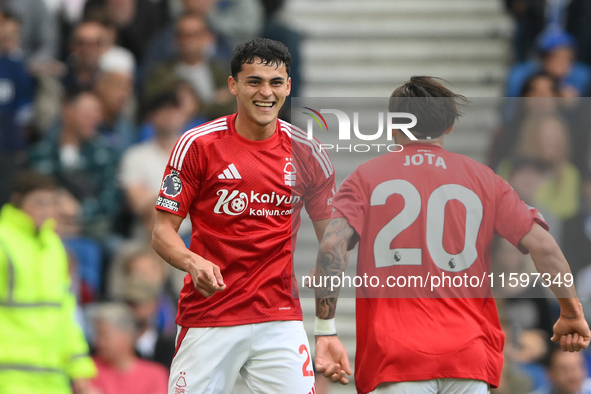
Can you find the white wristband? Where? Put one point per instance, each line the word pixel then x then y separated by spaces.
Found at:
pixel 324 327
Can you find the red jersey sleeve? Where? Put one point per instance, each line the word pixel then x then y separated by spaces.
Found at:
pixel 321 193
pixel 180 182
pixel 514 218
pixel 351 201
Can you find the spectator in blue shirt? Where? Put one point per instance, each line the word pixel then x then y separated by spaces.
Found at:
pixel 567 374
pixel 16 96
pixel 557 58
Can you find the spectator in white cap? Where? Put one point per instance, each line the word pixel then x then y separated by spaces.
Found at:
pixel 114 87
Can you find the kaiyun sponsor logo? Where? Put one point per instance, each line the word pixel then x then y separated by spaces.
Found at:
pixel 236 202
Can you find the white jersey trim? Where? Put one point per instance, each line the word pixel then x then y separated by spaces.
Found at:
pixel 320 154
pixel 327 169
pixel 182 146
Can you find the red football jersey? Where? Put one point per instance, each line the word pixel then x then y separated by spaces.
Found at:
pixel 244 198
pixel 418 210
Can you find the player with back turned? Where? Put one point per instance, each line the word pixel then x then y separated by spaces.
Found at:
pixel 243 179
pixel 436 214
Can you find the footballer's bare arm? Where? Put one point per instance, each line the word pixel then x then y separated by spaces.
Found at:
pixel 320 227
pixel 332 359
pixel 207 276
pixel 571 329
pixel 332 260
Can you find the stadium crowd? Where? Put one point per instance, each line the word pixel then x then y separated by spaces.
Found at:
pixel 95 94
pixel 542 149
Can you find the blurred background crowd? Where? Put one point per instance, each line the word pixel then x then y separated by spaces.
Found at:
pixel 95 93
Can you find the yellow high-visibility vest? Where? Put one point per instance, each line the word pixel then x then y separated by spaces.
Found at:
pixel 41 345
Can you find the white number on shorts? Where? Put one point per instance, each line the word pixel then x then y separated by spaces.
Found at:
pixel 435 218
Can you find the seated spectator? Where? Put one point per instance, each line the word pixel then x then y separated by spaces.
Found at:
pixel 190 104
pixel 514 378
pixel 539 93
pixel 39 33
pixel 234 21
pixel 136 20
pixel 119 369
pixel 140 173
pixel 114 88
pixel 85 254
pixel 16 97
pixel 152 343
pixel 527 177
pixel 557 59
pixel 208 78
pixel 164 45
pixel 87 44
pixel 82 161
pixel 567 373
pixel 138 262
pixel 546 138
pixel 532 16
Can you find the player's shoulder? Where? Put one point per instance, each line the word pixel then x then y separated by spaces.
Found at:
pixel 470 163
pixel 299 138
pixel 197 137
pixel 477 174
pixel 307 149
pixel 206 132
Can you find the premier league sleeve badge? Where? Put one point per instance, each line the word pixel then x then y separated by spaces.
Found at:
pixel 172 185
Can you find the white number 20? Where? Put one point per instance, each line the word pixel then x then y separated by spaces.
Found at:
pixel 435 220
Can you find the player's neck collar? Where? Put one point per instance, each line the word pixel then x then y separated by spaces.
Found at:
pixel 270 142
pixel 422 144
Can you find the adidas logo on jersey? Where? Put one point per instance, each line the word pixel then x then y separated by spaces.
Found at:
pixel 230 173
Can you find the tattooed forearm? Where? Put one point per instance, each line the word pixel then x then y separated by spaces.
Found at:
pixel 332 261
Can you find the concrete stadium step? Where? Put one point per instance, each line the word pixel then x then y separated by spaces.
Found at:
pixel 352 7
pixel 332 50
pixel 388 74
pixel 435 27
pixel 320 89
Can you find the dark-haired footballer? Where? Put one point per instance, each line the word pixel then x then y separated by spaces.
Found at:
pixel 428 211
pixel 243 179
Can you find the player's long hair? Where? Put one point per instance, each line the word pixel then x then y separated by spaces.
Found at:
pixel 435 106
